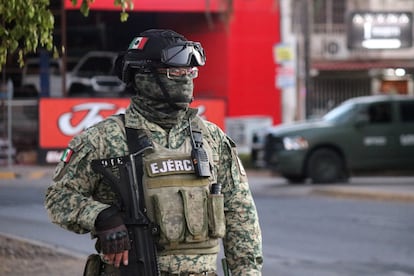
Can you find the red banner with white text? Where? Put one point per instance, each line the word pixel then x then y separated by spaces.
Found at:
pixel 61 119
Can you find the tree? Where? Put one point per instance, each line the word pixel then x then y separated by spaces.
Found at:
pixel 28 25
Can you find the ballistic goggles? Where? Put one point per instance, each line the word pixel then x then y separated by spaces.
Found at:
pixel 181 55
pixel 177 73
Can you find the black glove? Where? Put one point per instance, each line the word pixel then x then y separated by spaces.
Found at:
pixel 111 231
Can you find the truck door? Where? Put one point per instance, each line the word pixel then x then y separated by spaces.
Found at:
pixel 376 139
pixel 405 129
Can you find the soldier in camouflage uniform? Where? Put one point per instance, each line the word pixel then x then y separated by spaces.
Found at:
pixel 161 66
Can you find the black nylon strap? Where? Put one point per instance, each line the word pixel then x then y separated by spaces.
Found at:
pixel 196 135
pixel 137 139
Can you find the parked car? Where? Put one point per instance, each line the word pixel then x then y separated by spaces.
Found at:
pixel 363 134
pixel 94 76
pixel 31 76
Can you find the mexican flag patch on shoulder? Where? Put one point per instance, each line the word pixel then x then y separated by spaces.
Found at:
pixel 67 154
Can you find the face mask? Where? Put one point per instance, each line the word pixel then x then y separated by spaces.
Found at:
pixel 155 106
pixel 180 91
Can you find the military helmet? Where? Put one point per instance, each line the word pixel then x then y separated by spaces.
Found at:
pixel 158 48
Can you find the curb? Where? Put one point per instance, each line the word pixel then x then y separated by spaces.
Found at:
pixel 36 174
pixel 7 175
pixel 49 246
pixel 365 193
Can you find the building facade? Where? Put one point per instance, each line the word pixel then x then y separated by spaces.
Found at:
pixel 349 48
pixel 238 37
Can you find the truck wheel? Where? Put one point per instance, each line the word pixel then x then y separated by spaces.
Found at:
pixel 326 166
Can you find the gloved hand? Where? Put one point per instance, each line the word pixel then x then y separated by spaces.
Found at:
pixel 114 240
pixel 113 236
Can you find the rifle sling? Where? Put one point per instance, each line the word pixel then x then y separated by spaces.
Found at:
pixel 137 139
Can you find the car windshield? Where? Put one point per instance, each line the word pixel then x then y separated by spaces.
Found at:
pixel 96 66
pixel 340 113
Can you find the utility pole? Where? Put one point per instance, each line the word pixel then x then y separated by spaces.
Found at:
pixel 63 47
pixel 306 29
pixel 287 65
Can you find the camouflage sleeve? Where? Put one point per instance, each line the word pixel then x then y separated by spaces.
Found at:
pixel 71 201
pixel 243 240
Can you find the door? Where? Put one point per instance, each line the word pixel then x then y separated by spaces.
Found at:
pixel 375 140
pixel 405 129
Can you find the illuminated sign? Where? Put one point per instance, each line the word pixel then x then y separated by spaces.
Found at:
pixel 379 30
pixel 61 119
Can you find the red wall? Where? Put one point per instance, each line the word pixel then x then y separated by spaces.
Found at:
pixel 213 77
pixel 240 67
pixel 254 30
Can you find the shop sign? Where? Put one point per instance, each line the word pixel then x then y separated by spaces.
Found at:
pixel 61 119
pixel 379 30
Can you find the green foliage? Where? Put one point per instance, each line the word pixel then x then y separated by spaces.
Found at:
pixel 124 4
pixel 27 25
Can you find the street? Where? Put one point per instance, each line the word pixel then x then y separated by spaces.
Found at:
pixel 325 236
pixel 304 233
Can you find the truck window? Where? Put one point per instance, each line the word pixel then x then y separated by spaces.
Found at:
pixel 407 111
pixel 96 66
pixel 379 113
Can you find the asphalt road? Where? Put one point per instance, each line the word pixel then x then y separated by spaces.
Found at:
pixel 22 214
pixel 304 232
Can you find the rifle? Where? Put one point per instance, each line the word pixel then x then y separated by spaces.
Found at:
pixel 143 253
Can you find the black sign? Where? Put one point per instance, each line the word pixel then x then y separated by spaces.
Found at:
pixel 379 30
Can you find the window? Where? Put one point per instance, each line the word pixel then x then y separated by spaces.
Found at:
pixel 407 111
pixel 328 15
pixel 379 113
pixel 96 66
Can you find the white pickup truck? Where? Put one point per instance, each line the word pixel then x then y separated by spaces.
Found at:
pixel 31 77
pixel 91 76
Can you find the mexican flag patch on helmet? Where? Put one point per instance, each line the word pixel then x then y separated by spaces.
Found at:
pixel 138 43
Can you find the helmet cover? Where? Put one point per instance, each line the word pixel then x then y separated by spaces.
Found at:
pixel 148 50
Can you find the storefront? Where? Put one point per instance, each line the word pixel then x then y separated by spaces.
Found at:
pixel 238 37
pixel 239 76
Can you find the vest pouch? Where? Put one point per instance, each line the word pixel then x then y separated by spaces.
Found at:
pixel 169 215
pixel 216 220
pixel 195 211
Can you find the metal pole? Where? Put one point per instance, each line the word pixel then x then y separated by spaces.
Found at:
pixel 9 122
pixel 306 50
pixel 64 54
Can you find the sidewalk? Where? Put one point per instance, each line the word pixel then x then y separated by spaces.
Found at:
pixel 401 190
pixel 26 171
pixel 403 193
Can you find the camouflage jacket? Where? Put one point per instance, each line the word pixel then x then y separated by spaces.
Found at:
pixel 77 194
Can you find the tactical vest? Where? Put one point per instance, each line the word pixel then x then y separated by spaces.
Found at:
pixel 190 218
